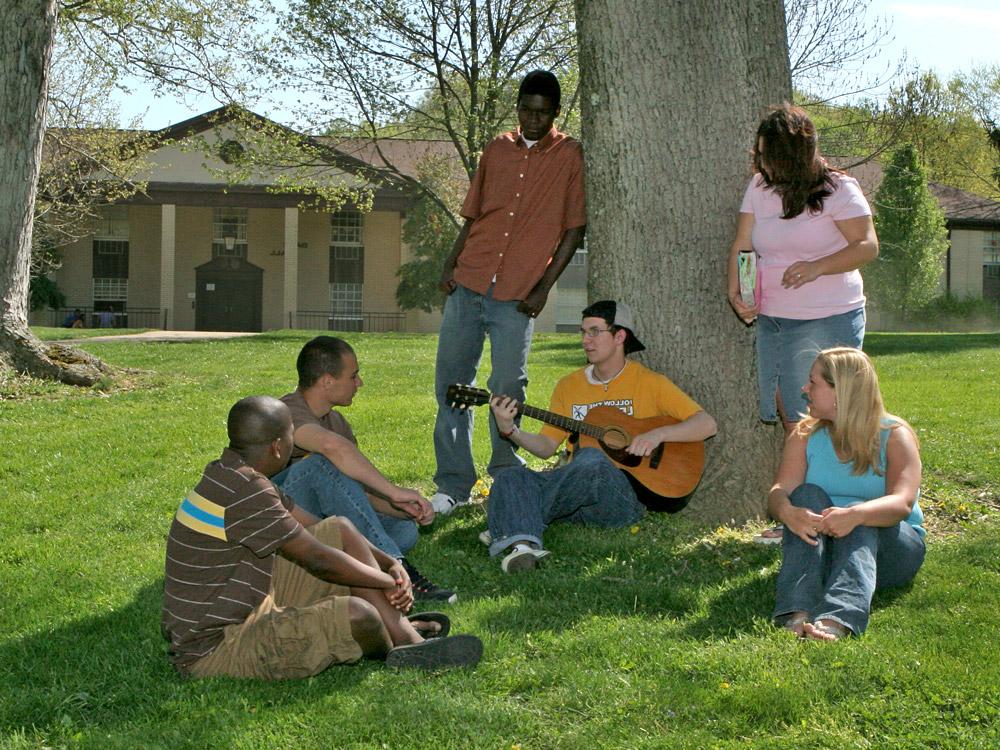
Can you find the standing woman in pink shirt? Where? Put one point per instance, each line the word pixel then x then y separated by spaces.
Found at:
pixel 811 229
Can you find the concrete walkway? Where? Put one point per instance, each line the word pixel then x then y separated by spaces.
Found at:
pixel 162 336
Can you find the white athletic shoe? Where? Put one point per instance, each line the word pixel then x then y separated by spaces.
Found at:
pixel 444 504
pixel 522 558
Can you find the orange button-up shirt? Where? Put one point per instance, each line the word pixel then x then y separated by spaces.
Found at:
pixel 521 201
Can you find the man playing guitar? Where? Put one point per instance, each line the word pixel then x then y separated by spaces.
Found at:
pixel 591 489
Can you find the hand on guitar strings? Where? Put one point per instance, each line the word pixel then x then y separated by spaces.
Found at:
pixel 644 444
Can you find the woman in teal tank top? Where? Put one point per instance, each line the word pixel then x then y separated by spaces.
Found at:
pixel 846 492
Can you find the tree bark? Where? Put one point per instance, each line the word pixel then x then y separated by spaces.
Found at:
pixel 671 95
pixel 27 34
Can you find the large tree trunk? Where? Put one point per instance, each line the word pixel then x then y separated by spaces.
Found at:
pixel 27 33
pixel 671 94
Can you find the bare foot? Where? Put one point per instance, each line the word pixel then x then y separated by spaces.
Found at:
pixel 796 622
pixel 825 630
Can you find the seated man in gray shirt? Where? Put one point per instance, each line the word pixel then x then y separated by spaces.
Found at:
pixel 328 474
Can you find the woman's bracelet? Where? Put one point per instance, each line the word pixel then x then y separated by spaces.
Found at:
pixel 507 435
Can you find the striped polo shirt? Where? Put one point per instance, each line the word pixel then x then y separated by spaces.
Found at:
pixel 220 555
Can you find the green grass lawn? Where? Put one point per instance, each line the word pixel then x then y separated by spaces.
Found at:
pixel 647 638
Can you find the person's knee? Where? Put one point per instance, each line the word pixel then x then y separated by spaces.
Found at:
pixel 810 496
pixel 348 530
pixel 366 624
pixel 594 462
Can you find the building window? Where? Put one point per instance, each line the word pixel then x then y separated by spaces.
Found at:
pixel 112 223
pixel 991 248
pixel 346 228
pixel 229 232
pixel 347 270
pixel 345 300
pixel 110 290
pixel 114 248
pixel 342 253
pixel 110 260
pixel 580 256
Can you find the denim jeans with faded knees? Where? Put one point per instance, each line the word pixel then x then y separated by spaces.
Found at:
pixel 835 580
pixel 319 487
pixel 589 490
pixel 468 318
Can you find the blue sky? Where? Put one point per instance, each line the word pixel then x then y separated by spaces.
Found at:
pixel 947 37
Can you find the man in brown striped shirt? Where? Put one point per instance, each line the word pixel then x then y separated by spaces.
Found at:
pixel 256 587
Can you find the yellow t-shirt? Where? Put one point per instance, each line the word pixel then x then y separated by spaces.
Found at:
pixel 638 391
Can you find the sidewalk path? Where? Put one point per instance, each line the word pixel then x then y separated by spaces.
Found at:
pixel 162 336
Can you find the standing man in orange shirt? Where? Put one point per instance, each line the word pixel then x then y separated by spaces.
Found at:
pixel 525 216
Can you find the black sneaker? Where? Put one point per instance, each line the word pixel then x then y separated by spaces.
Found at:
pixel 426 591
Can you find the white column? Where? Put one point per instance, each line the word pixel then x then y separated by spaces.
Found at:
pixel 291 296
pixel 168 243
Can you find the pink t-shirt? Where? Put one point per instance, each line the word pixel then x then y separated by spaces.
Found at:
pixel 781 242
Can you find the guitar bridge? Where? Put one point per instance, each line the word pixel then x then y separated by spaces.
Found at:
pixel 656 456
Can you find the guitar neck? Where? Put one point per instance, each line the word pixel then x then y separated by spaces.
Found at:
pixel 563 423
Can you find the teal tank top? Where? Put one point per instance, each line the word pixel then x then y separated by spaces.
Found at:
pixel 845 488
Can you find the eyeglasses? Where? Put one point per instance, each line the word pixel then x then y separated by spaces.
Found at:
pixel 593 333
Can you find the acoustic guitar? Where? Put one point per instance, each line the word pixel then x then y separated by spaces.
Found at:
pixel 663 480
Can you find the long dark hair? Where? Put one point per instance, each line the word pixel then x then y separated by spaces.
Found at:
pixel 790 162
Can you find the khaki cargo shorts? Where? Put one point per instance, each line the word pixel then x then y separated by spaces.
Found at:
pixel 301 628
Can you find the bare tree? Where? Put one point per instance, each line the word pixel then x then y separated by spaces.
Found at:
pixel 429 68
pixel 82 138
pixel 671 96
pixel 980 90
pixel 173 43
pixel 834 48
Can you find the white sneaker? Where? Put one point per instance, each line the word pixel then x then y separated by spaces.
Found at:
pixel 486 537
pixel 522 558
pixel 444 504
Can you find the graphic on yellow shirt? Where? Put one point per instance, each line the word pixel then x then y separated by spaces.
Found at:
pixel 622 404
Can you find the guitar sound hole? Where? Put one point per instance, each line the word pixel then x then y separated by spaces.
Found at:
pixel 615 439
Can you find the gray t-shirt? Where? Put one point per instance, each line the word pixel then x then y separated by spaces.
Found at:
pixel 302 415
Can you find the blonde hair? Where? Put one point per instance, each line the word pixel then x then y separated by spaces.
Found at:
pixel 856 430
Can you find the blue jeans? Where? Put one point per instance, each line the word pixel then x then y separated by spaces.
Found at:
pixel 319 487
pixel 786 350
pixel 589 490
pixel 468 318
pixel 835 580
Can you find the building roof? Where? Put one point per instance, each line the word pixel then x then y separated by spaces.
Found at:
pixel 404 154
pixel 961 208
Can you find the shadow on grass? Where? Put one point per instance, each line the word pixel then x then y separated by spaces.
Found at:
pixel 110 675
pixel 881 344
pixel 714 587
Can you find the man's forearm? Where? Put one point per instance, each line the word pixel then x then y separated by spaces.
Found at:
pixel 352 462
pixel 336 566
pixel 571 240
pixel 447 281
pixel 534 442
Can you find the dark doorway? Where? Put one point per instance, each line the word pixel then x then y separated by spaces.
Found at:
pixel 229 295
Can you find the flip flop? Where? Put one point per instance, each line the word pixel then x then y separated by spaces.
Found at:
pixel 439 617
pixel 437 653
pixel 772 535
pixel 796 622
